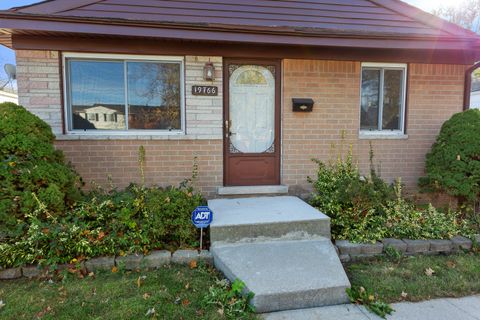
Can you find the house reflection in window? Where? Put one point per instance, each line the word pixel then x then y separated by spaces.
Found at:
pixel 101 117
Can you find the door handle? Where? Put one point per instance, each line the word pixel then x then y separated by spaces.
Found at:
pixel 227 128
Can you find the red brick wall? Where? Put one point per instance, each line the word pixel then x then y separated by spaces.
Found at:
pixel 167 162
pixel 435 93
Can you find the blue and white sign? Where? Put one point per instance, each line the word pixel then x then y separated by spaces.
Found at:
pixel 202 217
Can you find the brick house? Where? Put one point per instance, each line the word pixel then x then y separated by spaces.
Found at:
pixel 232 83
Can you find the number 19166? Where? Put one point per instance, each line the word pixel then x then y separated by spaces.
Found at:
pixel 204 90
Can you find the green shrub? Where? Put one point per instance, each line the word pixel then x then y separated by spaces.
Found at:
pixel 366 209
pixel 140 219
pixel 137 219
pixel 405 220
pixel 453 164
pixel 30 165
pixel 353 202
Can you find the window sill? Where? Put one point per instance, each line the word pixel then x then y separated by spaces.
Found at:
pixel 132 136
pixel 382 136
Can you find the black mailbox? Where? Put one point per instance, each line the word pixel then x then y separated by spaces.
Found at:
pixel 302 104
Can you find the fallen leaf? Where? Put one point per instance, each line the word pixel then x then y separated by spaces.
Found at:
pixel 220 312
pixel 146 296
pixel 44 312
pixel 150 312
pixel 187 286
pixel 193 264
pixel 185 302
pixel 91 274
pixel 140 280
pixel 371 297
pixel 429 272
pixel 62 291
pixel 114 269
pixel 451 264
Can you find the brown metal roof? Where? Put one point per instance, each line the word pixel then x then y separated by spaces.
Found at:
pixel 349 23
pixel 337 16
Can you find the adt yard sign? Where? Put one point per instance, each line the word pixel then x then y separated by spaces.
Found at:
pixel 202 217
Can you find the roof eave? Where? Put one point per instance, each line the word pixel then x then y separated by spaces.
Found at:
pixel 11 22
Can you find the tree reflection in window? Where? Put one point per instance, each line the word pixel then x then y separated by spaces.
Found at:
pixel 392 99
pixel 370 99
pixel 153 95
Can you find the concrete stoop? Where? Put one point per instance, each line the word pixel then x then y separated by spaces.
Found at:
pixel 280 248
pixel 265 217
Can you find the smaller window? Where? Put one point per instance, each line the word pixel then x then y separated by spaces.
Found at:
pixel 383 97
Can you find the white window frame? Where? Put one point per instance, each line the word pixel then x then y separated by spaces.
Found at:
pixel 124 58
pixel 384 132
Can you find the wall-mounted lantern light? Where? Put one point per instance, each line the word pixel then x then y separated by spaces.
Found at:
pixel 209 71
pixel 302 105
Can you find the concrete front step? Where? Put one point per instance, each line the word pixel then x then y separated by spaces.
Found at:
pixel 285 275
pixel 266 217
pixel 252 190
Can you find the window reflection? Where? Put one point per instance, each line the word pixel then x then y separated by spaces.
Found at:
pixel 392 99
pixel 382 98
pixel 370 99
pixel 100 93
pixel 153 95
pixel 97 90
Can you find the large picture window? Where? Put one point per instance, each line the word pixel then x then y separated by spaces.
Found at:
pixel 382 107
pixel 111 93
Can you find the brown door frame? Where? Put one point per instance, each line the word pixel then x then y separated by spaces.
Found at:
pixel 226 104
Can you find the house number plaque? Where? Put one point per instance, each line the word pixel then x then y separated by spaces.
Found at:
pixel 205 90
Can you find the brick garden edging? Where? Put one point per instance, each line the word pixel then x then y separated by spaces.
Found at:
pixel 155 260
pixel 348 251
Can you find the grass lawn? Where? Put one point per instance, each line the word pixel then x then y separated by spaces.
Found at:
pixel 453 276
pixel 174 292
